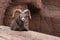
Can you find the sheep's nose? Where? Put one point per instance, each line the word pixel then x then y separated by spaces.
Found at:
pixel 23 19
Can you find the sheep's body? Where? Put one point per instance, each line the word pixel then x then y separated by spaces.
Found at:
pixel 18 25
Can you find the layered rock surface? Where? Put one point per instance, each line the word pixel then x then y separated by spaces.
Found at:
pixel 7 34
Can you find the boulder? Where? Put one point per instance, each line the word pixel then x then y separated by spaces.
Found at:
pixel 7 34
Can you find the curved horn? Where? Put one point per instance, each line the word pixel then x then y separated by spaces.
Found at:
pixel 15 11
pixel 29 14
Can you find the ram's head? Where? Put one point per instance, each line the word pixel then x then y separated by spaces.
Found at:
pixel 22 14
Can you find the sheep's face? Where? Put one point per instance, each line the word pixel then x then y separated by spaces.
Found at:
pixel 22 14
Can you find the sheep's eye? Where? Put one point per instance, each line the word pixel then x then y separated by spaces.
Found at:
pixel 26 12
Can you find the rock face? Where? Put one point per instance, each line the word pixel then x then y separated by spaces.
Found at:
pixel 34 2
pixel 52 2
pixel 3 5
pixel 50 17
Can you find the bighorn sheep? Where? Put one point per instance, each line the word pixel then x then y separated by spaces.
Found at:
pixel 19 22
